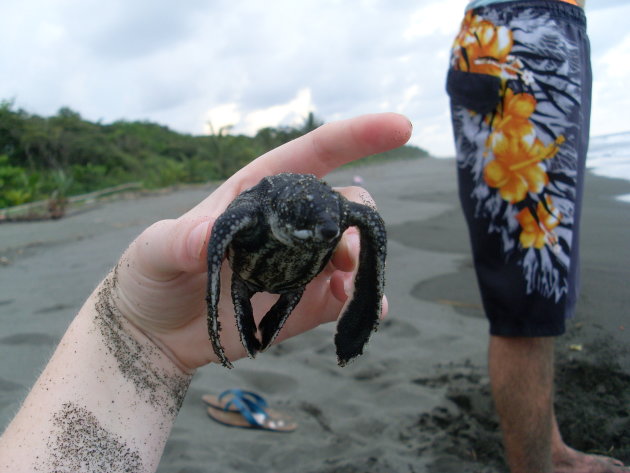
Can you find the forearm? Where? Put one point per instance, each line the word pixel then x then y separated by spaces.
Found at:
pixel 105 402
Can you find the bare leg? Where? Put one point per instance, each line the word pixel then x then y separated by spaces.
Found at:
pixel 521 376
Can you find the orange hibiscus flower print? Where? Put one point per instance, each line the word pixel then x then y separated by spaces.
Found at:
pixel 516 168
pixel 484 48
pixel 516 96
pixel 537 231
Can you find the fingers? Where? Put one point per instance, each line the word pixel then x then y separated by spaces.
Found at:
pixel 178 248
pixel 346 255
pixel 173 246
pixel 322 303
pixel 318 306
pixel 342 288
pixel 334 144
pixel 357 194
pixel 318 152
pixel 170 247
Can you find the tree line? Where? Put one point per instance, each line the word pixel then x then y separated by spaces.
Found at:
pixel 64 154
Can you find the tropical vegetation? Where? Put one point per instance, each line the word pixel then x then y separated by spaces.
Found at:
pixel 63 155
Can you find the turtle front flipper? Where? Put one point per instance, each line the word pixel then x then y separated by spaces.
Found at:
pixel 241 297
pixel 362 314
pixel 225 228
pixel 274 320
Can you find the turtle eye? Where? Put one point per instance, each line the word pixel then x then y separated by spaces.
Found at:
pixel 302 234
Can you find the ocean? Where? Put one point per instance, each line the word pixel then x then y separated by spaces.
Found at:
pixel 609 156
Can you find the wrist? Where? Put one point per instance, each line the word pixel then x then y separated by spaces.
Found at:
pixel 156 374
pixel 107 396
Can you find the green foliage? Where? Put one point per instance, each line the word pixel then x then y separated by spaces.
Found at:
pixel 63 155
pixel 89 177
pixel 404 152
pixel 162 172
pixel 16 185
pixel 61 183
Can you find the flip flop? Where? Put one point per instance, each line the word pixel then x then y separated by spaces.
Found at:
pixel 247 410
pixel 224 400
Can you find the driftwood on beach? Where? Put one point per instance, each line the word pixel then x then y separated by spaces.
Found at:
pixel 57 207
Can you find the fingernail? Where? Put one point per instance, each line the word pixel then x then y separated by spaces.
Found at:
pixel 197 239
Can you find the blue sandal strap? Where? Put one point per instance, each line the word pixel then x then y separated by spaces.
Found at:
pixel 241 394
pixel 250 405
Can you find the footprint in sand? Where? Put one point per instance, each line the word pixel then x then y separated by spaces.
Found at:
pixel 268 382
pixel 305 342
pixel 398 328
pixel 53 308
pixel 6 386
pixel 35 339
pixel 376 370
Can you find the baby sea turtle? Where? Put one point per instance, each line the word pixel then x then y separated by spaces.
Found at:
pixel 278 235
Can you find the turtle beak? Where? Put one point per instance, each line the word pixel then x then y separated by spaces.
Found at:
pixel 327 230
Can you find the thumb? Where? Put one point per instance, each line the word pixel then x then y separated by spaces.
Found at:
pixel 170 247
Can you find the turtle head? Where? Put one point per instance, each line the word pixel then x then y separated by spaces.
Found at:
pixel 304 210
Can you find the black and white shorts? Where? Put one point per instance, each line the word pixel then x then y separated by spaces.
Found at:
pixel 520 89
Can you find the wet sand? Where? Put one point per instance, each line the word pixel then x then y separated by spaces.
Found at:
pixel 417 401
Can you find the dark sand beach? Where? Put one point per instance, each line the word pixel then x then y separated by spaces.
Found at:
pixel 417 401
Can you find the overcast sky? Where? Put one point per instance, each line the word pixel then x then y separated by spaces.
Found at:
pixel 254 63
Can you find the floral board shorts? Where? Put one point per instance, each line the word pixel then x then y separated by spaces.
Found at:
pixel 520 89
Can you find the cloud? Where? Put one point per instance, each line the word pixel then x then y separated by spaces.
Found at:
pixel 434 18
pixel 592 5
pixel 291 113
pixel 249 122
pixel 152 60
pixel 222 117
pixel 248 62
pixel 123 30
pixel 610 99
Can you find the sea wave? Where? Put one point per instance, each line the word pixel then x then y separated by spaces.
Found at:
pixel 609 156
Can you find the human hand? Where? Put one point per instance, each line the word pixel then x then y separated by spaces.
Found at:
pixel 161 278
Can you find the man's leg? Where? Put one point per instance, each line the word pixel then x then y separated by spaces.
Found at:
pixel 521 376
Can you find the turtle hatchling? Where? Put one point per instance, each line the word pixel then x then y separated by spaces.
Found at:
pixel 277 236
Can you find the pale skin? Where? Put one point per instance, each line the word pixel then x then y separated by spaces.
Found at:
pixel 109 395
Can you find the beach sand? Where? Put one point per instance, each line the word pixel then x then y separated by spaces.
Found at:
pixel 417 401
